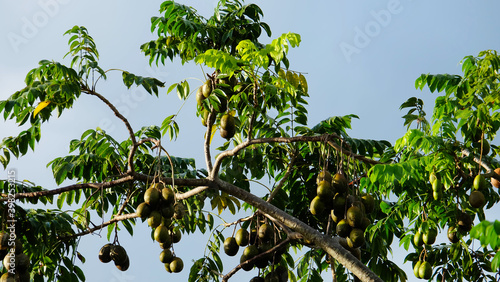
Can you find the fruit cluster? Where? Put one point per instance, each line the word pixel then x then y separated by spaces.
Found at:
pixel 347 211
pixel 226 85
pixel 159 208
pixel 256 242
pixel 115 253
pixel 15 262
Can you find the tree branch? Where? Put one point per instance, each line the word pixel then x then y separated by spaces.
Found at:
pixel 317 138
pixel 99 227
pixel 283 180
pixel 68 188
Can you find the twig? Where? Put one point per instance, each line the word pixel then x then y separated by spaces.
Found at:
pixel 283 180
pixel 90 230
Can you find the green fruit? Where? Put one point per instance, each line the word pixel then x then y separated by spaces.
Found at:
pixel 365 223
pixel 168 196
pixel 369 202
pixel 324 175
pixel 317 206
pixel 324 190
pixel 242 237
pixel 437 185
pixel 206 88
pixel 432 177
pixel 246 266
pixel 477 199
pixel 416 269
pixel 343 228
pixel 479 182
pixel 425 270
pixel 176 265
pixel 167 211
pixel 418 239
pixel 357 238
pixel 167 267
pixel 339 183
pixel 429 237
pixel 253 236
pixel 143 210
pixel 154 219
pixel 176 235
pixel 161 234
pixel 453 235
pixel 227 121
pixel 166 256
pixel 118 254
pixel 251 251
pixel 257 279
pixel 104 253
pixel 354 216
pixel 230 246
pixel 179 210
pixel 265 232
pixel 152 197
pixel 199 96
pixel 437 195
pixel 124 265
pixel 339 203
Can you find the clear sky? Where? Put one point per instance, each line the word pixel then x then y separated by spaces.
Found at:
pixel 360 57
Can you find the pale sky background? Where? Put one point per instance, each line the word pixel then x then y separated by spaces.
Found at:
pixel 391 43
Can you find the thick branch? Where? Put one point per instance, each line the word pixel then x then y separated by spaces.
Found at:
pixel 327 243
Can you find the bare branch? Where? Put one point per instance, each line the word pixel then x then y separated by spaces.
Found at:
pixel 99 227
pixel 68 188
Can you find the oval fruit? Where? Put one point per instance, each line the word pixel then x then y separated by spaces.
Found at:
pixel 429 237
pixel 354 216
pixel 369 202
pixel 176 265
pixel 118 254
pixel 453 234
pixel 161 234
pixel 143 210
pixel 477 199
pixel 230 246
pixel 104 253
pixel 479 182
pixel 124 265
pixel 166 256
pixel 154 219
pixel 176 235
pixel 206 88
pixel 425 270
pixel 464 222
pixel 357 237
pixel 416 269
pixel 325 190
pixel 265 232
pixel 343 228
pixel 418 239
pixel 152 197
pixel 324 175
pixel 339 183
pixel 437 185
pixel 317 206
pixel 168 195
pixel 179 210
pixel 242 237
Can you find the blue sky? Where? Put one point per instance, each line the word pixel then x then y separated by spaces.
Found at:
pixel 359 57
